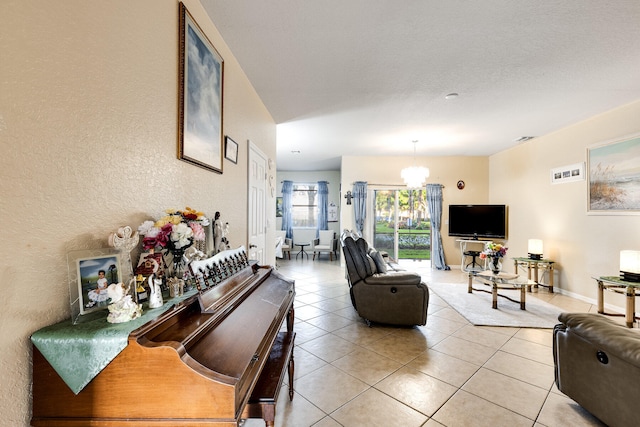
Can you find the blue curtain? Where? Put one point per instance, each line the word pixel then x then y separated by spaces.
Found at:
pixel 434 201
pixel 287 218
pixel 323 207
pixel 360 204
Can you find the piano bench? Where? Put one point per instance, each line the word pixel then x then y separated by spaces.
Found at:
pixel 262 403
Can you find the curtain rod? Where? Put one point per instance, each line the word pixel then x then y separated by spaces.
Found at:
pixel 306 182
pixel 397 185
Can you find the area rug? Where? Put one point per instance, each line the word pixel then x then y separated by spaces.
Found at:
pixel 476 307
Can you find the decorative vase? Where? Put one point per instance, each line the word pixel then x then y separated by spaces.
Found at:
pixel 496 266
pixel 177 266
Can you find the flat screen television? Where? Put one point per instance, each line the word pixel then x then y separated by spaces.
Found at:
pixel 478 221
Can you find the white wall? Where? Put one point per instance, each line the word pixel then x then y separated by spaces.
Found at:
pixel 583 245
pixel 88 130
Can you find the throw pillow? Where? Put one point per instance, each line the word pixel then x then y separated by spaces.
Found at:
pixel 381 266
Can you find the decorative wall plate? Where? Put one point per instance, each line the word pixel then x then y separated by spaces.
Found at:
pixel 460 185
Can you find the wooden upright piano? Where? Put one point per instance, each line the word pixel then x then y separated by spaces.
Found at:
pixel 210 360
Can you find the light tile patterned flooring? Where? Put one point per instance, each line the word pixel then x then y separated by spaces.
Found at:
pixel 447 373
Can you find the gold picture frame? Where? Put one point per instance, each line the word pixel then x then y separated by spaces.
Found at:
pixel 201 72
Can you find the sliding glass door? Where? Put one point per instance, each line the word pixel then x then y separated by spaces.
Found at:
pixel 402 224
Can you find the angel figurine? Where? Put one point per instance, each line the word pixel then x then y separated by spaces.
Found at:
pixel 122 308
pixel 220 231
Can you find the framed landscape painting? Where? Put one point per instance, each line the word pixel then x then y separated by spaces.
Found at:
pixel 614 177
pixel 200 98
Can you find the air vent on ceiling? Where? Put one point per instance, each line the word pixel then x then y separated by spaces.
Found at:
pixel 524 138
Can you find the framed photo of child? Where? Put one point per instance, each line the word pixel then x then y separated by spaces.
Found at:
pixel 90 274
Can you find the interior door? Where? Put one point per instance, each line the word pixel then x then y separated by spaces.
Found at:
pixel 257 215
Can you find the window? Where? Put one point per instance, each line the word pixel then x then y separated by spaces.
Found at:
pixel 304 205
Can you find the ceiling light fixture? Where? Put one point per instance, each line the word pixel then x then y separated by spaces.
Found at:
pixel 415 176
pixel 452 95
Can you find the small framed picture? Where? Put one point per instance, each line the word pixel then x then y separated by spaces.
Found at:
pixel 568 173
pixel 90 274
pixel 231 150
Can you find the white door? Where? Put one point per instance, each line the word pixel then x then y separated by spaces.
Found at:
pixel 257 204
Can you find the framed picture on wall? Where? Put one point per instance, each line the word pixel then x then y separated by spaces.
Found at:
pixel 332 212
pixel 231 149
pixel 614 177
pixel 200 97
pixel 568 173
pixel 278 207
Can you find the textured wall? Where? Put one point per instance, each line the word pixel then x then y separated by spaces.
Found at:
pixel 584 245
pixel 88 129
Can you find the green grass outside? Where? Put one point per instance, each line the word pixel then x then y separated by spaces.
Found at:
pixel 382 228
pixel 409 253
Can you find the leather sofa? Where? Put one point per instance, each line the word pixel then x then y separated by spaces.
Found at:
pixel 381 291
pixel 597 364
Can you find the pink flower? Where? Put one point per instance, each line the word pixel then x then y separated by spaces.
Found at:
pixel 198 231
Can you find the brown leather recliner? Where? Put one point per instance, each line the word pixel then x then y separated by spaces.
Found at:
pixel 597 364
pixel 381 291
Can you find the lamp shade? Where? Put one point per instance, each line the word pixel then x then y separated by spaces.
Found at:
pixel 535 248
pixel 415 176
pixel 630 265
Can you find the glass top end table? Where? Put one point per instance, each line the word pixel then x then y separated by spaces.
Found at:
pixel 501 281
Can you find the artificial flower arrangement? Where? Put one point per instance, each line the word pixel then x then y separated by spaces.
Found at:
pixel 493 250
pixel 175 231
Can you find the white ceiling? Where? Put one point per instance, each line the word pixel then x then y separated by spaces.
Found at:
pixel 364 77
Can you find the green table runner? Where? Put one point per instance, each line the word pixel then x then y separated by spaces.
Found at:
pixel 79 352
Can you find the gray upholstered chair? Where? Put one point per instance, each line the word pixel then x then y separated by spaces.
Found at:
pixel 597 364
pixel 326 242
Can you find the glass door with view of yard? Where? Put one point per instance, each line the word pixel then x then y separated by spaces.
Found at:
pixel 402 225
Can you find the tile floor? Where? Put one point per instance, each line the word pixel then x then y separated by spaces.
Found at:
pixel 447 373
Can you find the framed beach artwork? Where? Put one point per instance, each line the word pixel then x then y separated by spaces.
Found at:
pixel 200 97
pixel 614 177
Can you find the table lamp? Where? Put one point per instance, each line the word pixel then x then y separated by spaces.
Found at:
pixel 535 249
pixel 630 265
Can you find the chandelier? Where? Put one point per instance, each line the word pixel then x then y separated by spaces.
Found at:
pixel 415 176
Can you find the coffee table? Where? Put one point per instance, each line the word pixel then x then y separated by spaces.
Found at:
pixel 501 281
